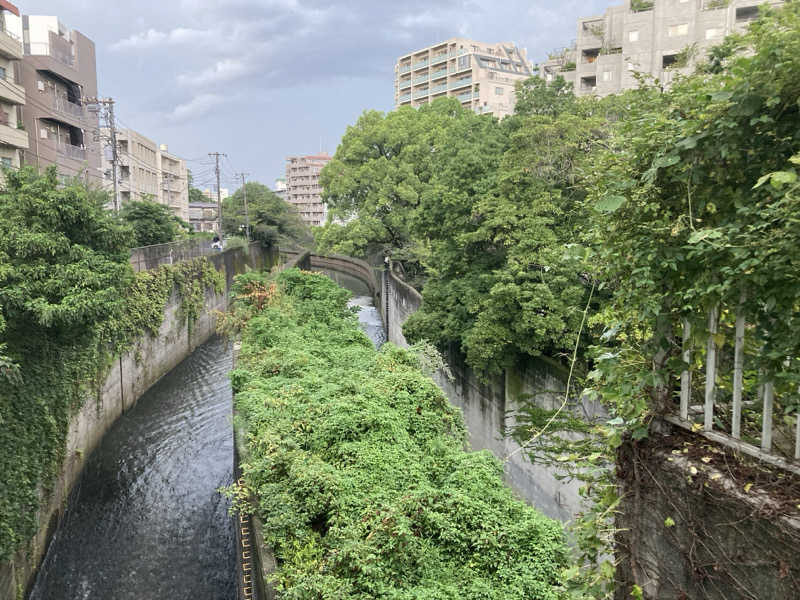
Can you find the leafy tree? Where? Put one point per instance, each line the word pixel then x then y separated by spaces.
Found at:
pixel 152 223
pixel 64 272
pixel 379 174
pixel 272 219
pixel 195 195
pixel 535 96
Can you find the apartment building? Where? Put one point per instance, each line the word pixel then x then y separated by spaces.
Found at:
pixel 203 216
pixel 280 188
pixel 482 76
pixel 303 190
pixel 137 169
pixel 655 37
pixel 13 137
pixel 212 194
pixel 174 189
pixel 59 72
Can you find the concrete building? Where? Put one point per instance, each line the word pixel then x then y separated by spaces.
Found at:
pixel 203 216
pixel 303 190
pixel 174 189
pixel 212 194
pixel 13 137
pixel 280 188
pixel 482 76
pixel 655 37
pixel 58 73
pixel 146 171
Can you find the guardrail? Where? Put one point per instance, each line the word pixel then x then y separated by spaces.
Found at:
pixel 720 407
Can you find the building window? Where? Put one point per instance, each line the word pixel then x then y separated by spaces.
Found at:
pixel 463 62
pixel 608 75
pixel 678 30
pixel 633 36
pixel 498 91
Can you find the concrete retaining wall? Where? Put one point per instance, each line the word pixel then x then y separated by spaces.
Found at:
pixel 128 378
pixel 489 407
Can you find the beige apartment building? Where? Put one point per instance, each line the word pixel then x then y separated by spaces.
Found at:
pixel 655 37
pixel 174 189
pixel 58 73
pixel 147 171
pixel 482 76
pixel 13 137
pixel 303 190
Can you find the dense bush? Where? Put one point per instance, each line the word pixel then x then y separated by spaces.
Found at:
pixel 356 461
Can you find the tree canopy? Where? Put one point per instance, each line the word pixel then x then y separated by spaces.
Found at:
pixel 152 223
pixel 272 219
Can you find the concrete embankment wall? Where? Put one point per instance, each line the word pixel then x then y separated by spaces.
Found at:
pixel 128 378
pixel 490 407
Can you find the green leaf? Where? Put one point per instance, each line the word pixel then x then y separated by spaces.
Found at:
pixel 666 161
pixel 610 203
pixel 704 234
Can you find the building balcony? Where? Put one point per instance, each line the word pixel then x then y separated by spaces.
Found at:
pixel 460 82
pixel 404 69
pixel 438 74
pixel 420 94
pixel 404 98
pixel 11 92
pixel 70 151
pixel 456 69
pixel 405 84
pixel 421 64
pixel 437 89
pixel 10 135
pixel 439 58
pixel 421 79
pixel 10 46
pixel 466 97
pixel 64 106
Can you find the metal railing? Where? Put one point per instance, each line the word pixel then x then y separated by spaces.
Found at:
pixel 460 82
pixel 71 151
pixel 65 106
pixel 439 73
pixel 719 416
pixel 404 98
pixel 421 79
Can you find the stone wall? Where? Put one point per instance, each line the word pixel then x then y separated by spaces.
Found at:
pixel 129 377
pixel 696 522
pixel 490 407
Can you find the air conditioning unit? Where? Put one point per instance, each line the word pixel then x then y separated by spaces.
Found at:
pixel 43 133
pixel 40 85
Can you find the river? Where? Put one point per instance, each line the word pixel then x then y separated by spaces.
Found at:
pixel 146 519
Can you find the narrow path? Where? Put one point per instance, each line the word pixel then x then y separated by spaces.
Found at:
pixel 145 521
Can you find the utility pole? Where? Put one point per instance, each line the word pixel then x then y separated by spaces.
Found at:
pixel 246 215
pixel 108 103
pixel 219 193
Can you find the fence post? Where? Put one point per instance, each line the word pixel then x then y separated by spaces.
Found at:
pixel 766 417
pixel 686 374
pixel 711 369
pixel 738 369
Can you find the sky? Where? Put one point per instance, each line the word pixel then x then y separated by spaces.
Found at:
pixel 260 80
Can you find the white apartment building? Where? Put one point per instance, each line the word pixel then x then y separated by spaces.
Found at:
pixel 174 191
pixel 147 171
pixel 212 194
pixel 303 189
pixel 13 138
pixel 482 76
pixel 654 37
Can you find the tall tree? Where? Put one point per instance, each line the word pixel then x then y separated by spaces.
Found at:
pixel 152 223
pixel 272 219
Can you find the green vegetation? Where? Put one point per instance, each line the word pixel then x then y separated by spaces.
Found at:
pixel 666 202
pixel 641 5
pixel 69 302
pixel 153 223
pixel 272 219
pixel 356 460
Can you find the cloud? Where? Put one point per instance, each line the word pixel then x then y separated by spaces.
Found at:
pixel 153 38
pixel 222 71
pixel 197 107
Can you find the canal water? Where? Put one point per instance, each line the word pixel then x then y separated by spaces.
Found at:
pixel 146 519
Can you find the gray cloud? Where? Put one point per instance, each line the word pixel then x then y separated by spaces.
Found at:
pixel 262 79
